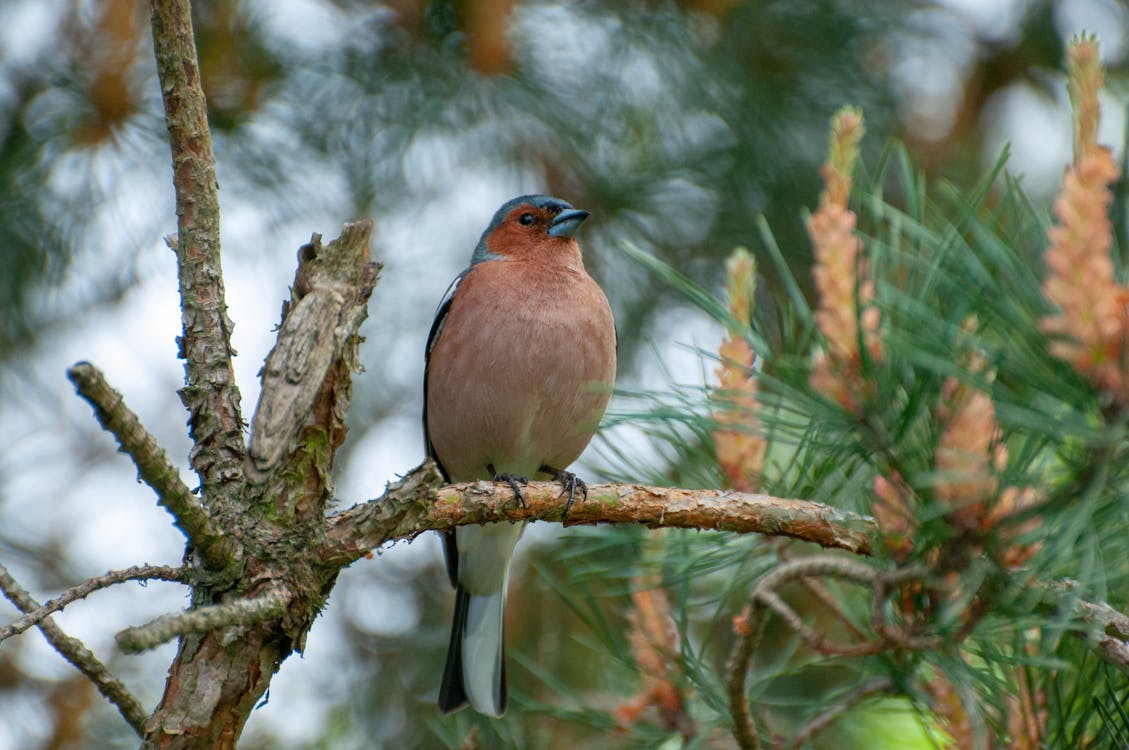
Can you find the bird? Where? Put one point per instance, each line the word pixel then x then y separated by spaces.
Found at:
pixel 519 367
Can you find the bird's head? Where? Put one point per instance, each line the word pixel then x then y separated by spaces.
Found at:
pixel 531 227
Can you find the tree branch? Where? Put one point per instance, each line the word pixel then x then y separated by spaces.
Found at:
pixel 764 598
pixel 1110 638
pixel 420 503
pixel 153 467
pixel 826 718
pixel 210 394
pixel 276 510
pixel 79 655
pixel 242 612
pixel 328 303
pixel 750 625
pixel 89 586
pixel 1107 634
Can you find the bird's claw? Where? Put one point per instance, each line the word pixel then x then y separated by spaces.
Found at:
pixel 570 484
pixel 515 482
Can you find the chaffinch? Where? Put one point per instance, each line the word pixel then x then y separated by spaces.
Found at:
pixel 520 363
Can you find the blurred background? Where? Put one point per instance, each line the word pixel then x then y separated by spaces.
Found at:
pixel 677 124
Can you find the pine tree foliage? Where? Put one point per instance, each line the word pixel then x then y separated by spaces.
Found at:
pixel 977 434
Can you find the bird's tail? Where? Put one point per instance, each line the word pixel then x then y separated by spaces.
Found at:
pixel 475 672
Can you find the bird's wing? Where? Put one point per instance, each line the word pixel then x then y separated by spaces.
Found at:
pixel 432 337
pixel 449 548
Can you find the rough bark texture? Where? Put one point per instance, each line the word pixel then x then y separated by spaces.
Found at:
pixel 215 682
pixel 215 420
pixel 408 509
pixel 214 547
pixel 276 518
pixel 271 509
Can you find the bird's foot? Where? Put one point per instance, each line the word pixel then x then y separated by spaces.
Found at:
pixel 515 482
pixel 570 484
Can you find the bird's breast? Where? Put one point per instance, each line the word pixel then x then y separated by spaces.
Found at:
pixel 521 372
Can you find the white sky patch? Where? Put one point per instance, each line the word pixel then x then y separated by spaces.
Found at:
pixel 929 70
pixel 301 697
pixel 575 42
pixel 997 20
pixel 1107 20
pixel 932 86
pixel 304 23
pixel 23 27
pixel 680 336
pixel 1038 130
pixel 380 607
pixel 381 455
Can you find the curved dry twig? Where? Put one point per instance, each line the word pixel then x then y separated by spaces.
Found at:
pixel 824 596
pixel 858 695
pixel 750 627
pixel 895 636
pixel 88 587
pixel 812 639
pixel 764 599
pixel 83 659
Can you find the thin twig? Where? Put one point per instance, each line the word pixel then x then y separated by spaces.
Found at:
pixel 898 637
pixel 73 650
pixel 812 639
pixel 764 597
pixel 153 466
pixel 825 719
pixel 89 586
pixel 825 597
pixel 838 567
pixel 817 565
pixel 749 634
pixel 243 611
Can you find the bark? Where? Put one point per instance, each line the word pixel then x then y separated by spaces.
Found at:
pixel 74 651
pixel 239 631
pixel 209 393
pixel 268 512
pixel 408 509
pixel 216 680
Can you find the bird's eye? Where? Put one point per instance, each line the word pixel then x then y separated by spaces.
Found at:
pixel 526 219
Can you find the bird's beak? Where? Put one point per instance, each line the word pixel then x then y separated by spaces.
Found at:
pixel 567 222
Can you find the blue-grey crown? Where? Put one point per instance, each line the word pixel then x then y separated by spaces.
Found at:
pixel 537 201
